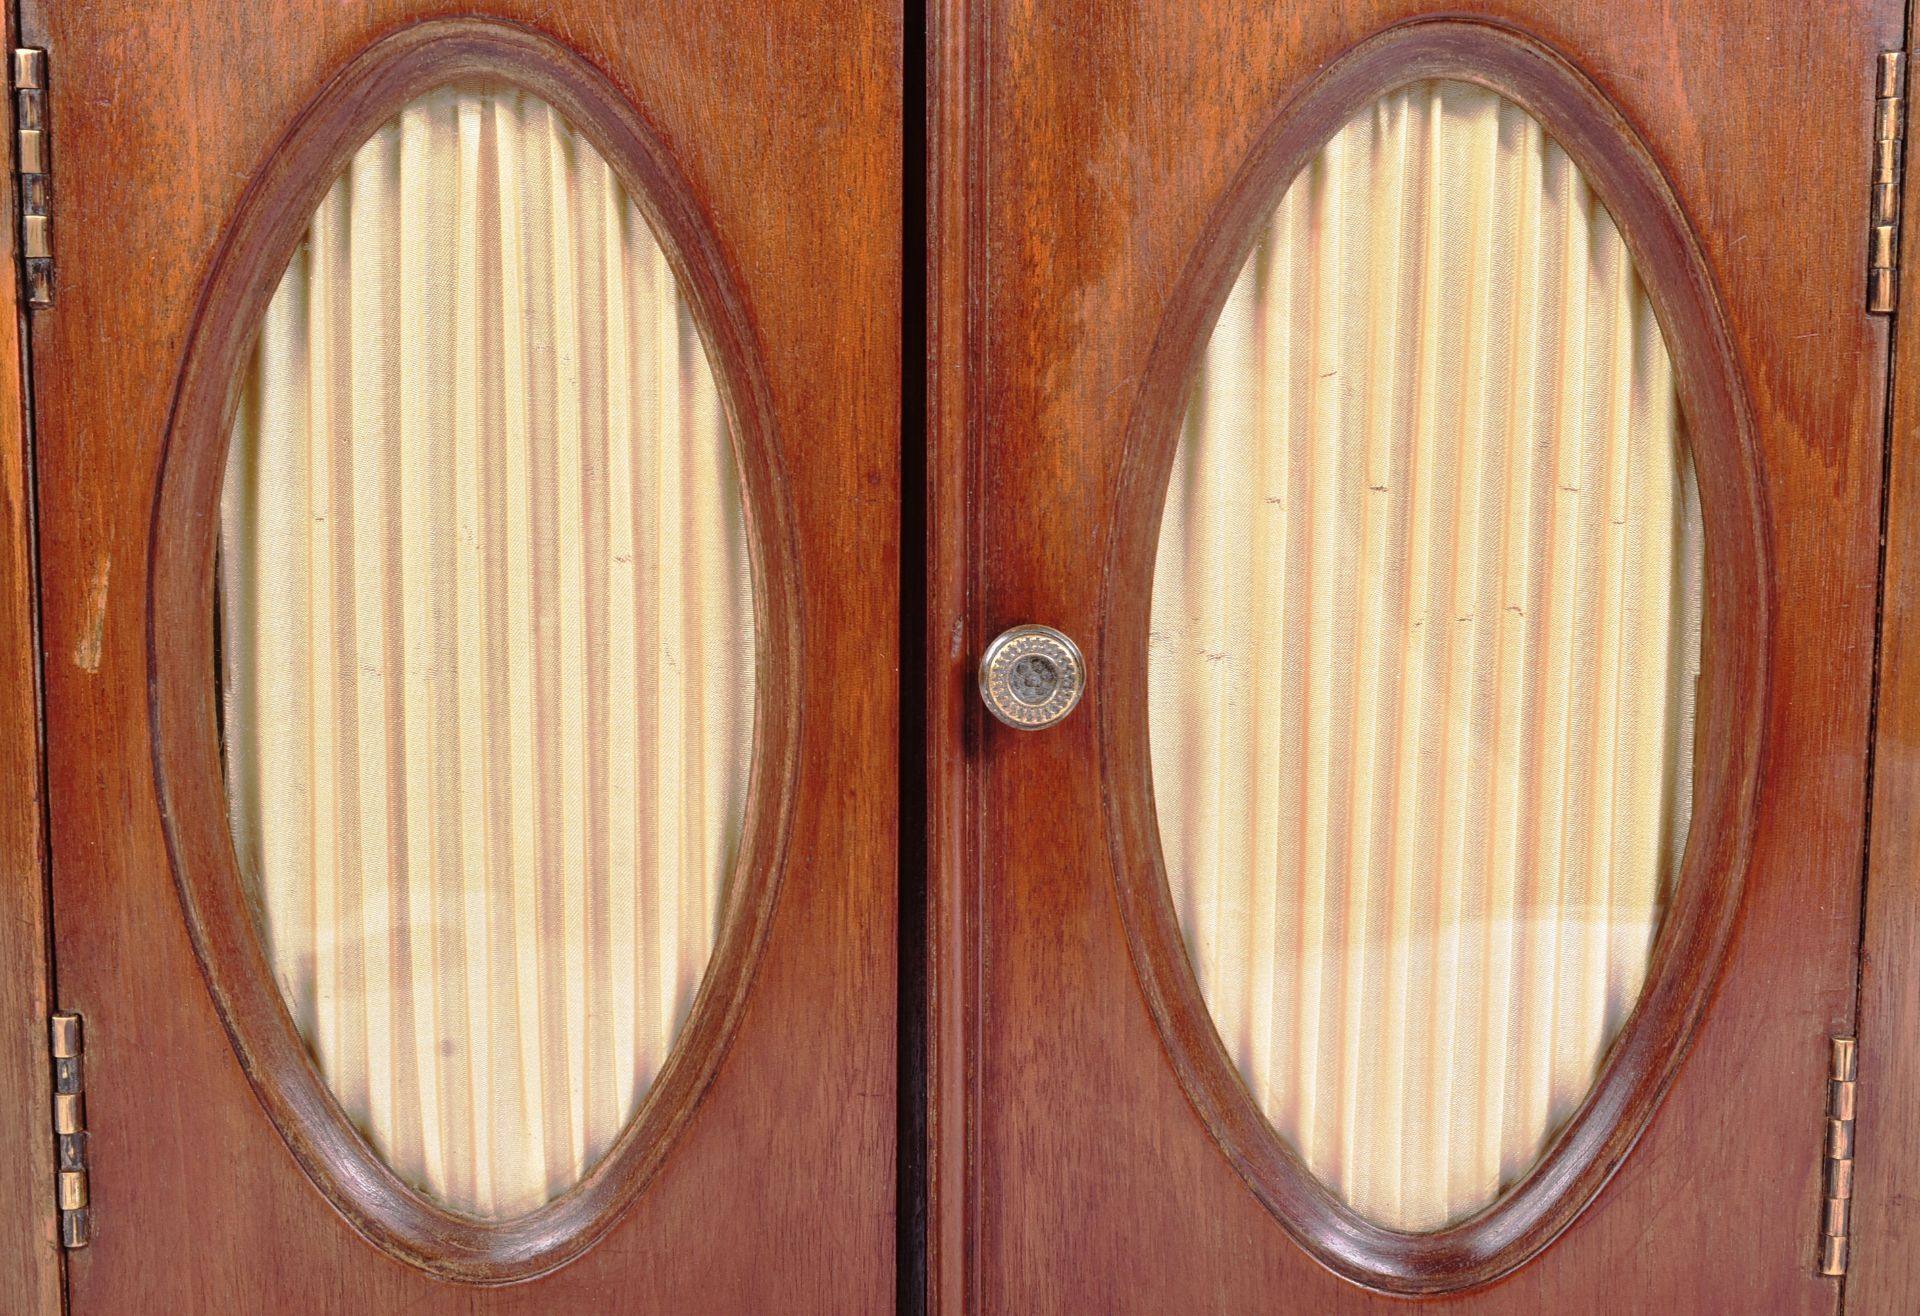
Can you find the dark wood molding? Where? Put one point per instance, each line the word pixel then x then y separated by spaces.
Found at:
pixel 1729 735
pixel 257 244
pixel 956 269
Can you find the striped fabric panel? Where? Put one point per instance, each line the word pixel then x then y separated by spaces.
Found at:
pixel 1426 634
pixel 487 648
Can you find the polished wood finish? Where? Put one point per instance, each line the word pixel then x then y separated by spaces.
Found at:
pixel 193 803
pixel 1883 1270
pixel 767 138
pixel 1089 154
pixel 1693 937
pixel 30 1258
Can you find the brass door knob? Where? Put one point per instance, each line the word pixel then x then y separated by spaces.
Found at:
pixel 1032 676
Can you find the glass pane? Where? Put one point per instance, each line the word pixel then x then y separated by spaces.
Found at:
pixel 487 648
pixel 1426 633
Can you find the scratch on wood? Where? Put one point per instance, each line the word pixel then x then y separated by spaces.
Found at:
pixel 86 654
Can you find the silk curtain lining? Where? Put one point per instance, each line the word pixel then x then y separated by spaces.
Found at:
pixel 487 645
pixel 1425 639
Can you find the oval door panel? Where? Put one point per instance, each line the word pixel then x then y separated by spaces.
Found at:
pixel 487 589
pixel 1423 667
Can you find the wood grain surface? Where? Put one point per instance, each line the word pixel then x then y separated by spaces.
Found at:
pixel 784 122
pixel 1084 150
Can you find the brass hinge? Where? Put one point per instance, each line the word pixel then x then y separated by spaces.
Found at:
pixel 1843 1063
pixel 70 1132
pixel 1889 128
pixel 30 128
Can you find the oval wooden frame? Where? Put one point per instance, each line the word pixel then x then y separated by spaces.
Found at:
pixel 255 248
pixel 1729 729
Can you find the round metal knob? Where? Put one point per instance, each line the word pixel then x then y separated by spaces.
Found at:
pixel 1032 676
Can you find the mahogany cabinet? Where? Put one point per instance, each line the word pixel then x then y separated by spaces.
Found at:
pixel 974 657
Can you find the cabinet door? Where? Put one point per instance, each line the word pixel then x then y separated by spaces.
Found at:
pixel 465 449
pixel 1454 447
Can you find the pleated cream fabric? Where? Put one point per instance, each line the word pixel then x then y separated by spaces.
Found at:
pixel 1426 633
pixel 487 647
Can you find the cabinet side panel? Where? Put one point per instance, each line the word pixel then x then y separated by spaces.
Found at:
pixel 1884 1267
pixel 29 1246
